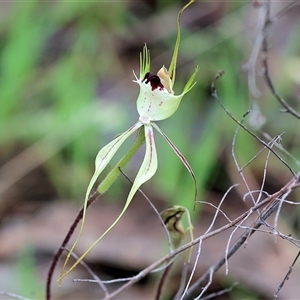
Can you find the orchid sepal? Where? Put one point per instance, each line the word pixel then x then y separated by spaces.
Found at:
pixel 103 158
pixel 146 171
pixel 191 82
pixel 144 62
pixel 105 155
pixel 149 164
pixel 181 157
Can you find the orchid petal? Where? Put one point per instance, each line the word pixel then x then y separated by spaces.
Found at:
pixel 149 165
pixel 191 82
pixel 104 156
pixel 180 155
pixel 144 62
pixel 147 170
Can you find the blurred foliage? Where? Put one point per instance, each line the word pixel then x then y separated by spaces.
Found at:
pixel 66 90
pixel 52 58
pixel 242 292
pixel 59 60
pixel 26 277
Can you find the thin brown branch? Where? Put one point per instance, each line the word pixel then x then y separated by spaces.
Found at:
pixel 220 293
pixel 89 270
pixel 291 185
pixel 67 238
pixel 154 208
pixel 197 286
pixel 215 95
pixel 267 23
pixel 267 211
pixel 13 295
pixel 162 281
pixel 286 276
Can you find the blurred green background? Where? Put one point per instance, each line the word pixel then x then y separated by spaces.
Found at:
pixel 66 90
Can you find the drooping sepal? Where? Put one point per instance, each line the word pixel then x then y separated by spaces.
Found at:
pixel 149 165
pixel 181 157
pixel 104 156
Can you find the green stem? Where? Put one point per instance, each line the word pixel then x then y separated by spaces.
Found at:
pixel 115 172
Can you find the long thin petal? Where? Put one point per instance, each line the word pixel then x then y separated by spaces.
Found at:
pixel 149 165
pixel 103 158
pixel 191 82
pixel 147 170
pixel 180 155
pixel 144 62
pixel 106 154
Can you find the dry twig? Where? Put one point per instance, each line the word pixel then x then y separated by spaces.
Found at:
pixel 267 23
pixel 67 238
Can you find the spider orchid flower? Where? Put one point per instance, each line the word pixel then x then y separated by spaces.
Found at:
pixel 156 102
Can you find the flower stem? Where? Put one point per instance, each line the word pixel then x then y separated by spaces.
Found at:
pixel 115 172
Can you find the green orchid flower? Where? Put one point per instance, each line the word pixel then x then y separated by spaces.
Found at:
pixel 156 102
